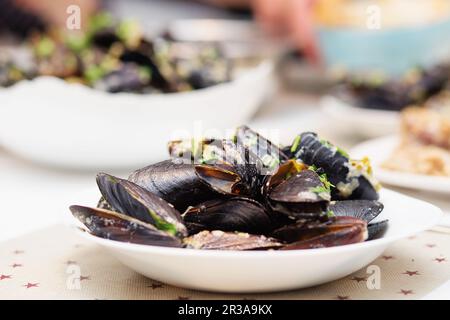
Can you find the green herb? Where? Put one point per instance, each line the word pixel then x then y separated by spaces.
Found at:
pixel 343 153
pixel 296 143
pixel 163 225
pixel 77 42
pixel 94 73
pixel 330 214
pixel 45 47
pixel 326 143
pixel 101 21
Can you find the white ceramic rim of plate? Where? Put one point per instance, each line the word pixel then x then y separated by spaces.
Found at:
pixel 251 254
pixel 397 178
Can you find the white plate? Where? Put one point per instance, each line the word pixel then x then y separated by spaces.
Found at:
pixel 264 271
pixel 68 125
pixel 365 122
pixel 378 150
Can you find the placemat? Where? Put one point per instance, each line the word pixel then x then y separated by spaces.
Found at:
pixel 55 263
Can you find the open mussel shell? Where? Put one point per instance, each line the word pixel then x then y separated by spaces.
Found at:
pixel 377 229
pixel 349 181
pixel 267 152
pixel 185 185
pixel 115 226
pixel 235 214
pixel 300 196
pixel 130 199
pixel 366 210
pixel 220 240
pixel 342 231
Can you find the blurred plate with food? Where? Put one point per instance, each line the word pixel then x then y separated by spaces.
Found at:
pixel 102 97
pixel 369 104
pixel 419 157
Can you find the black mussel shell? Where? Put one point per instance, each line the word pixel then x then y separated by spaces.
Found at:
pixel 130 199
pixel 185 185
pixel 350 183
pixel 377 229
pixel 366 210
pixel 219 240
pixel 268 153
pixel 235 214
pixel 115 226
pixel 301 228
pixel 343 231
pixel 129 78
pixel 301 196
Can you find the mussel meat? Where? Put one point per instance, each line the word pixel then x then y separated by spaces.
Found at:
pixel 219 240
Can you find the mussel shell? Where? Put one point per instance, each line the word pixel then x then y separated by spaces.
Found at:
pixel 301 228
pixel 235 214
pixel 115 226
pixel 377 229
pixel 297 197
pixel 185 185
pixel 343 231
pixel 366 210
pixel 270 155
pixel 219 240
pixel 313 151
pixel 130 199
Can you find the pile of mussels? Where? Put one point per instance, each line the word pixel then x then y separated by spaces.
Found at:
pixel 243 193
pixel 116 56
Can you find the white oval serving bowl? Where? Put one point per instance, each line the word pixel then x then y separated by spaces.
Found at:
pixel 265 271
pixel 68 125
pixel 367 123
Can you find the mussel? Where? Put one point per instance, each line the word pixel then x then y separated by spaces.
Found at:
pixel 241 194
pixel 302 195
pixel 129 199
pixel 351 179
pixel 115 226
pixel 185 185
pixel 366 210
pixel 219 240
pixel 342 231
pixel 235 214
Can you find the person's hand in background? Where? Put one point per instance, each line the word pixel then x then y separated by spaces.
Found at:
pixel 289 17
pixel 53 12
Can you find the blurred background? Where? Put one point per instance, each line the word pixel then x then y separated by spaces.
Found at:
pixel 88 86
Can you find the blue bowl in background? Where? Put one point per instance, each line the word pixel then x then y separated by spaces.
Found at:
pixel 391 50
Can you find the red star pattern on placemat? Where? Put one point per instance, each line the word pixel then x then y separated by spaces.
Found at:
pixel 440 259
pixel 358 279
pixel 82 278
pixel 343 297
pixel 406 292
pixel 31 285
pixel 5 276
pixel 155 286
pixel 182 298
pixel 16 265
pixel 387 257
pixel 18 252
pixel 411 273
pixel 430 245
pixel 70 262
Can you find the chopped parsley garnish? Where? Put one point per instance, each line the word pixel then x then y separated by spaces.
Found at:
pixel 296 143
pixel 162 225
